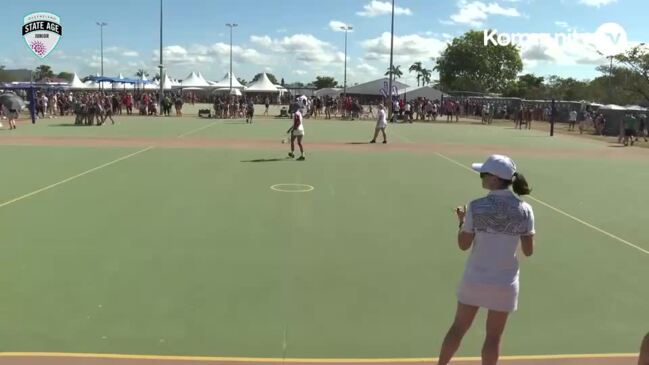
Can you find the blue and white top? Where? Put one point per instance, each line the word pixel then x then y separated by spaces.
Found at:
pixel 498 221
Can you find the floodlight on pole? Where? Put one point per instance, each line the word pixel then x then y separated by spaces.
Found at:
pixel 610 75
pixel 161 73
pixel 391 69
pixel 231 25
pixel 345 28
pixel 101 37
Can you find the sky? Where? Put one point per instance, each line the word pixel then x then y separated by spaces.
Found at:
pixel 299 40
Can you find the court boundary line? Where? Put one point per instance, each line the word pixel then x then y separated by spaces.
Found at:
pixel 304 360
pixel 196 130
pixel 48 187
pixel 578 220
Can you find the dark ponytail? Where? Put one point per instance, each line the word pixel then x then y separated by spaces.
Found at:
pixel 519 184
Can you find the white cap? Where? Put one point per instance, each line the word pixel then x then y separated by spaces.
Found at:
pixel 498 165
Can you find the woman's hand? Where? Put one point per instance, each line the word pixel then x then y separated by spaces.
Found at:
pixel 461 212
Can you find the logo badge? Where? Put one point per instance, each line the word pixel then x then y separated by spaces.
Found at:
pixel 42 32
pixel 611 39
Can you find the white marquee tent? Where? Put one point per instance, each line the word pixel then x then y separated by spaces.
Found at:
pixel 427 92
pixel 263 85
pixel 328 91
pixel 376 87
pixel 194 81
pixel 225 82
pixel 76 83
pixel 166 83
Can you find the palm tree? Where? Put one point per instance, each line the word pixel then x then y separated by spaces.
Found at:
pixel 141 72
pixel 43 71
pixel 396 71
pixel 425 76
pixel 418 68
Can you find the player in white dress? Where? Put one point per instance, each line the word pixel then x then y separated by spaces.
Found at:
pixel 492 227
pixel 381 124
pixel 297 133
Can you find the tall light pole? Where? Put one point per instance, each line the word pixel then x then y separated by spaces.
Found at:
pixel 610 75
pixel 231 25
pixel 162 77
pixel 101 32
pixel 346 28
pixel 391 65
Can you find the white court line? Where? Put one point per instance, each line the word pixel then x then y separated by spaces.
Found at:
pixel 611 235
pixel 73 177
pixel 94 169
pixel 196 130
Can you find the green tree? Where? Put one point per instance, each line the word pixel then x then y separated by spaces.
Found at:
pixel 322 82
pixel 425 76
pixel 141 72
pixel 67 76
pixel 396 71
pixel 241 81
pixel 636 60
pixel 528 86
pixel 43 71
pixel 271 77
pixel 418 68
pixel 467 64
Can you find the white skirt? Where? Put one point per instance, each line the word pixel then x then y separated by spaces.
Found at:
pixel 497 298
pixel 297 132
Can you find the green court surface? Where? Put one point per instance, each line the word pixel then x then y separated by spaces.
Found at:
pixel 188 251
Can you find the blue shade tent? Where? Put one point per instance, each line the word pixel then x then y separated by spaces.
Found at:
pixel 98 79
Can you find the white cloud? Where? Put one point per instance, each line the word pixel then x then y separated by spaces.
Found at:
pixel 264 41
pixel 408 49
pixel 561 24
pixel 336 26
pixel 204 54
pixel 475 13
pixel 302 47
pixel 376 8
pixel 300 72
pixel 367 69
pixel 411 46
pixel 119 50
pixel 596 3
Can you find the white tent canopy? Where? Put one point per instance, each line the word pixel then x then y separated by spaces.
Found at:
pixel 200 76
pixel 225 82
pixel 166 83
pixel 262 85
pixel 328 91
pixel 427 92
pixel 152 86
pixel 91 85
pixel 194 81
pixel 375 87
pixel 76 83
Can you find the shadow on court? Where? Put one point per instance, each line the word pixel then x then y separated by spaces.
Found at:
pixel 71 125
pixel 270 160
